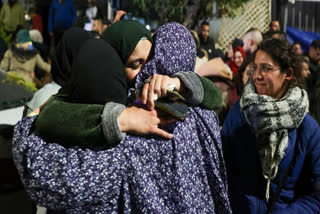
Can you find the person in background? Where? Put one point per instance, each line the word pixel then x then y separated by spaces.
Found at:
pixel 36 20
pixel 274 26
pixel 3 48
pixel 251 40
pixel 12 17
pixel 62 15
pixel 206 42
pixel 100 24
pixel 296 48
pixel 271 144
pixel 202 55
pixel 314 56
pixel 313 80
pixel 90 13
pixel 235 43
pixel 21 59
pixel 279 35
pixel 305 66
pixel 243 75
pixel 37 42
pixel 92 10
pixel 238 57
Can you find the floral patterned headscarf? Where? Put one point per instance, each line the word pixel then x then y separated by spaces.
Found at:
pixel 185 174
pixel 174 50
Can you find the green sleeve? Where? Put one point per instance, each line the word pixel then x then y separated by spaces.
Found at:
pixel 70 124
pixel 212 98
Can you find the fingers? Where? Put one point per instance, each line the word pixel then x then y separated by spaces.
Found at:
pixel 150 101
pixel 165 81
pixel 144 95
pixel 161 133
pixel 157 85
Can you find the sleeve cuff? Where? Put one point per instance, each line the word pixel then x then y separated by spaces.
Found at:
pixel 195 93
pixel 110 126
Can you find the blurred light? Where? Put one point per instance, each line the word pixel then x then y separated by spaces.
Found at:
pixel 148 27
pixel 27 17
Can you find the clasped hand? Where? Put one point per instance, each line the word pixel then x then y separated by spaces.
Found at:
pixel 146 121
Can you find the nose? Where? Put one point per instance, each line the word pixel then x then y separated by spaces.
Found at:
pixel 257 76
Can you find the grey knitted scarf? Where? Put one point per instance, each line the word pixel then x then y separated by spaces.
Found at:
pixel 271 118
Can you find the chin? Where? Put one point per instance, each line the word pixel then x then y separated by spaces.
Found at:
pixel 260 90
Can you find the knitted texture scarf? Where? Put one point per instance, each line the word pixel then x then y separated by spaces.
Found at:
pixel 271 118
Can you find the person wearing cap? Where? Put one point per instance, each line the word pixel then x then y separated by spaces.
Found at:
pixel 21 59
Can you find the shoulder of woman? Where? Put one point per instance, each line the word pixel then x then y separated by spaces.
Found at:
pixel 309 129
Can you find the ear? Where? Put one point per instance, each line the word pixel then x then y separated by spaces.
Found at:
pixel 289 74
pixel 250 42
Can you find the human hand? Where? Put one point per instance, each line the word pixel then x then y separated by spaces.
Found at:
pixel 158 85
pixel 142 122
pixel 38 110
pixel 118 15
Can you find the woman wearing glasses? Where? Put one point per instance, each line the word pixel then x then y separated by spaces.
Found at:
pixel 271 145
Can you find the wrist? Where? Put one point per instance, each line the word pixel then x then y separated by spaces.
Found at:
pixel 179 85
pixel 122 122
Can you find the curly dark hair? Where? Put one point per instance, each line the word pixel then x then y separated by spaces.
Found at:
pixel 280 51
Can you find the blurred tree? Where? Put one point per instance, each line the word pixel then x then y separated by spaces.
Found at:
pixel 229 7
pixel 187 12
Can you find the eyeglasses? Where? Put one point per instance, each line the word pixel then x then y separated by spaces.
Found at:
pixel 264 68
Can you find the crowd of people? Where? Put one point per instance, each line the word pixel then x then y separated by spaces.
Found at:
pixel 119 121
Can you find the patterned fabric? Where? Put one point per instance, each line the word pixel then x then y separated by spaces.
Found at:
pixel 271 118
pixel 142 174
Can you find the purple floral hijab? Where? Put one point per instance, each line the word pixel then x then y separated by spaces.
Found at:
pixel 142 174
pixel 174 50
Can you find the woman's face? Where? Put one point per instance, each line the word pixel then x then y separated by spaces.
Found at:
pixel 269 80
pixel 238 59
pixel 137 59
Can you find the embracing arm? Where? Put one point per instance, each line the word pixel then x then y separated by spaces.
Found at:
pixel 198 91
pixel 60 178
pixel 84 125
pixel 94 125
